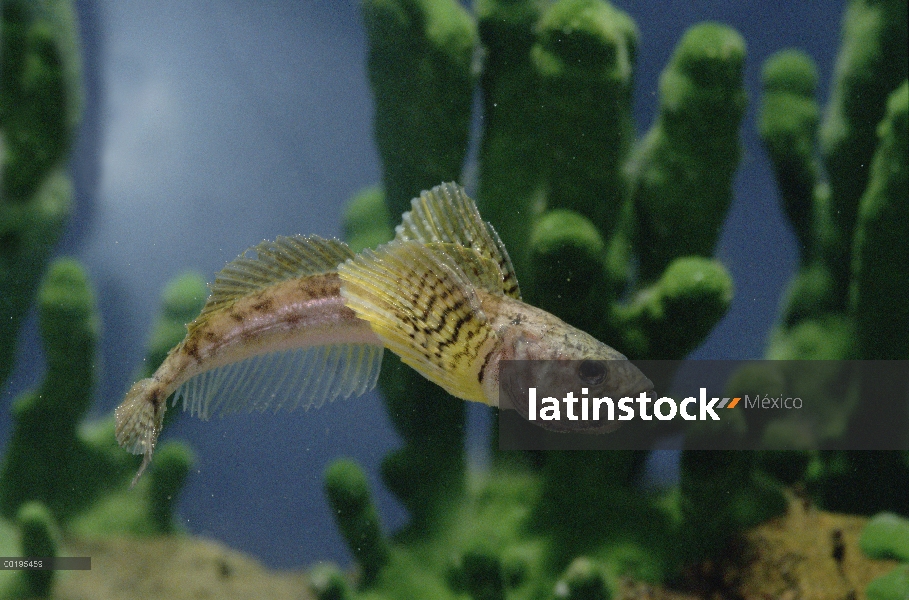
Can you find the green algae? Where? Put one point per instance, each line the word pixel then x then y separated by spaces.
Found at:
pixel 71 471
pixel 40 108
pixel 584 215
pixel 887 536
pixel 843 184
pixel 39 538
pixel 890 586
pixel 626 229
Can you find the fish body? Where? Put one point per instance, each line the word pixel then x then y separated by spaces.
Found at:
pixel 299 313
pixel 306 320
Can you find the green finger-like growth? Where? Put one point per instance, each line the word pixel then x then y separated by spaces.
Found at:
pixel 584 61
pixel 584 580
pixel 58 470
pixel 881 242
pixel 45 448
pixel 38 540
pixel 511 188
pixel 40 91
pixel 40 107
pixel 613 235
pixel 73 468
pixel 849 208
pixel 172 464
pixel 328 582
pixel 872 62
pixel 890 586
pixel 695 290
pixel 357 517
pixel 788 127
pixel 366 220
pixel 149 509
pixel 568 260
pixel 479 572
pixel 421 68
pixel 682 172
pixel 886 536
pixel 721 493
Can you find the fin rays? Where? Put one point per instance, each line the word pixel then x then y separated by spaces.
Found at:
pixel 283 380
pixel 280 260
pixel 420 303
pixel 446 215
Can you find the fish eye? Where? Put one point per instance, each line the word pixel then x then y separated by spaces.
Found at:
pixel 592 372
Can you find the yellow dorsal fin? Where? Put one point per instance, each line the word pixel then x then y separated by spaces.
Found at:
pixel 420 302
pixel 480 271
pixel 280 260
pixel 446 215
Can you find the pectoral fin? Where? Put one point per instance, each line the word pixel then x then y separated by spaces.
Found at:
pixel 422 305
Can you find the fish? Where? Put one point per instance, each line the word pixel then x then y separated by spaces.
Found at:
pixel 303 320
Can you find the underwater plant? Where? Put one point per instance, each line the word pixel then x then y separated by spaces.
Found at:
pixel 887 536
pixel 60 475
pixel 40 109
pixel 849 209
pixel 575 213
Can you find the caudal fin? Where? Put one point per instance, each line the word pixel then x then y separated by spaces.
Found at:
pixel 139 418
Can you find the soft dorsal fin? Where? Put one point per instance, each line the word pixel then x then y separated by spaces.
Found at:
pixel 280 260
pixel 480 271
pixel 420 302
pixel 446 215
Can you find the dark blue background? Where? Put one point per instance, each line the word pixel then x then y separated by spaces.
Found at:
pixel 212 125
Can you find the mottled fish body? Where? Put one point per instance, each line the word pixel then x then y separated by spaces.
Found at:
pixel 306 320
pixel 283 310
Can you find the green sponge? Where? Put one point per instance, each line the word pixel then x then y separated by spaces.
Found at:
pixel 684 167
pixel 886 536
pixel 890 586
pixel 36 528
pixel 357 517
pixel 40 108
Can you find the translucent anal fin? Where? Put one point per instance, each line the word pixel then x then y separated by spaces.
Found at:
pixel 446 215
pixel 285 380
pixel 421 304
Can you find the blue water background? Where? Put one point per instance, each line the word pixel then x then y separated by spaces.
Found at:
pixel 212 125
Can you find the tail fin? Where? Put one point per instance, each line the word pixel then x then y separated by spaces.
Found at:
pixel 139 418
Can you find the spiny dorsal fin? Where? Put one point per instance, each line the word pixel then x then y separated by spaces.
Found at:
pixel 445 214
pixel 280 260
pixel 421 304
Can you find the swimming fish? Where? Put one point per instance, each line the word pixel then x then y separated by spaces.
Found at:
pixel 306 321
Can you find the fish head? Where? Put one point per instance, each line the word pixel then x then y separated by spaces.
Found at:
pixel 554 357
